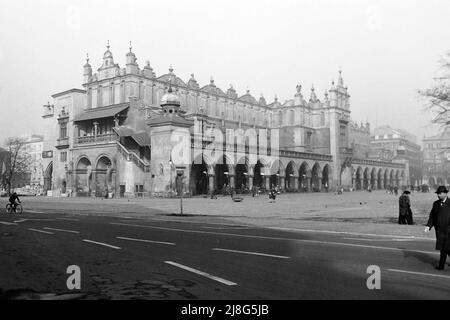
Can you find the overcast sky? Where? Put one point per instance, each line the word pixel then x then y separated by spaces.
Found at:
pixel 387 50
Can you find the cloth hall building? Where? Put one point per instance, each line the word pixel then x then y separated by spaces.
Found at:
pixel 113 137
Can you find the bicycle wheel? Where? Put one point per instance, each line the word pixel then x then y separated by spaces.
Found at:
pixel 19 209
pixel 8 208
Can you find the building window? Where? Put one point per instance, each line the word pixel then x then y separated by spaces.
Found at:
pixel 63 130
pixel 63 156
pixel 308 139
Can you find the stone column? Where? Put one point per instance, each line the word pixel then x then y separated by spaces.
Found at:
pixel 92 183
pixel 250 182
pixel 75 133
pixel 95 130
pixel 307 183
pixel 232 181
pixel 319 182
pixel 211 183
pixel 295 183
pixel 267 178
pixel 282 183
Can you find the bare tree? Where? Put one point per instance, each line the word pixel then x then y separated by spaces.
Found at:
pixel 438 96
pixel 17 163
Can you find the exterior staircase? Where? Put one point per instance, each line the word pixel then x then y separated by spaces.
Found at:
pixel 132 156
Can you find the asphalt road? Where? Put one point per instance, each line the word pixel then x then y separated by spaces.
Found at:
pixel 171 257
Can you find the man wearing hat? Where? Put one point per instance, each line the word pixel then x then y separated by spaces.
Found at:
pixel 405 212
pixel 440 220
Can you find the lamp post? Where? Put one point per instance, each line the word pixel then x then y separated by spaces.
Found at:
pixel 245 182
pixel 170 164
pixel 205 179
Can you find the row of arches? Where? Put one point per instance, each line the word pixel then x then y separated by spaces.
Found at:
pixel 434 182
pixel 377 178
pixel 97 178
pixel 206 178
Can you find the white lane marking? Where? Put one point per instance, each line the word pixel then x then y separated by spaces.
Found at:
pixel 193 222
pixel 21 220
pixel 379 240
pixel 420 273
pixel 62 230
pixel 252 253
pixel 32 211
pixel 39 219
pixel 148 241
pixel 225 228
pixel 274 238
pixel 68 219
pixel 352 233
pixel 207 275
pixel 41 231
pixel 8 223
pixel 102 244
pixel 336 210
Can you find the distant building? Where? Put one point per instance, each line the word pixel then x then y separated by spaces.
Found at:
pixel 389 144
pixel 436 159
pixel 33 147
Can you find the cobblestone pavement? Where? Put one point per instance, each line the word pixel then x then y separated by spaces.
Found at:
pixel 358 212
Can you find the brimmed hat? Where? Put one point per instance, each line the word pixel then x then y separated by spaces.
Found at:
pixel 406 192
pixel 441 189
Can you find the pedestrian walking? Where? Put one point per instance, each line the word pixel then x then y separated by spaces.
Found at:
pixel 440 220
pixel 405 212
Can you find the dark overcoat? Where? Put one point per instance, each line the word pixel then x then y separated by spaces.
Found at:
pixel 439 219
pixel 404 205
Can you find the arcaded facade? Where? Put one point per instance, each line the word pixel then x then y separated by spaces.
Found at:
pixel 113 137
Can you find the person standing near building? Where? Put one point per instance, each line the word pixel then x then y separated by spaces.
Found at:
pixel 440 220
pixel 405 212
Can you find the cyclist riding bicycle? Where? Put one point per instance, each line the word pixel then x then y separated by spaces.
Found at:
pixel 12 200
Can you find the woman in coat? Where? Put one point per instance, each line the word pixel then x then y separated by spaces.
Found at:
pixel 440 220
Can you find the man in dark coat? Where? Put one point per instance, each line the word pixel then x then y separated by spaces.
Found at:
pixel 440 220
pixel 405 212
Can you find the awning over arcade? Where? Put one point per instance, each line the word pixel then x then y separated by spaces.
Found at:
pixel 98 113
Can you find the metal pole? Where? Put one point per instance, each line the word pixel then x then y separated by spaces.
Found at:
pixel 181 202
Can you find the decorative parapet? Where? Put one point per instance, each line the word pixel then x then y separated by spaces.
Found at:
pixel 306 155
pixel 378 163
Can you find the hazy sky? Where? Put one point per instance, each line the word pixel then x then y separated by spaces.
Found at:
pixel 387 50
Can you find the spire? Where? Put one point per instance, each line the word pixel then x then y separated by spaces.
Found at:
pixel 108 60
pixel 171 69
pixel 211 81
pixel 87 74
pixel 87 65
pixel 313 97
pixel 340 80
pixel 170 86
pixel 131 47
pixel 332 85
pixel 298 92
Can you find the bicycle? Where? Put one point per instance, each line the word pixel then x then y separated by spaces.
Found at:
pixel 19 208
